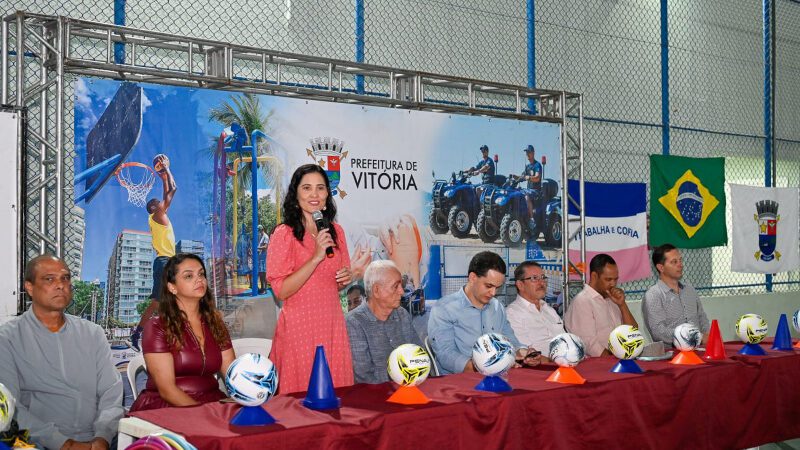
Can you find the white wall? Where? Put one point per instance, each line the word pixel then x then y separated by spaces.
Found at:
pixel 9 272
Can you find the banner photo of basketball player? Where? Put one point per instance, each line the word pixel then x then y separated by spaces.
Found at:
pixel 153 177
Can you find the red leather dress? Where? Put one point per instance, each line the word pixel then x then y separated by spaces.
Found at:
pixel 194 373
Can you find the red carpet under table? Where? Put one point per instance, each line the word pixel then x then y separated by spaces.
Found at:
pixel 737 403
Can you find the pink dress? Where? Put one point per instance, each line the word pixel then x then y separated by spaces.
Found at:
pixel 312 316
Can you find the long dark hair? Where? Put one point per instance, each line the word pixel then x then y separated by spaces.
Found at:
pixel 173 320
pixel 293 215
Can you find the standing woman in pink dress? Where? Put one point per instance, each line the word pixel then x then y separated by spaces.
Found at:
pixel 308 283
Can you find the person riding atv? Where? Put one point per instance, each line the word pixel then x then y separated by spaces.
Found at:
pixel 485 167
pixel 456 203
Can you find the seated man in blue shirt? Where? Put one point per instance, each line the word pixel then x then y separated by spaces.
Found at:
pixel 459 319
pixel 379 325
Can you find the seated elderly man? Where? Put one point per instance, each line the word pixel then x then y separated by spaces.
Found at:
pixel 379 325
pixel 459 319
pixel 69 395
pixel 534 322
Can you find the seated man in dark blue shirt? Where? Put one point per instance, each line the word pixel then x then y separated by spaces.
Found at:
pixel 379 325
pixel 485 166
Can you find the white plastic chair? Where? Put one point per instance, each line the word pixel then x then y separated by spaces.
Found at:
pixel 136 363
pixel 428 347
pixel 252 345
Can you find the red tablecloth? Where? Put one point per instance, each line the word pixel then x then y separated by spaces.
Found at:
pixel 737 403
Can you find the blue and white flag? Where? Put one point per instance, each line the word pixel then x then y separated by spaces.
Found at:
pixel 765 229
pixel 616 224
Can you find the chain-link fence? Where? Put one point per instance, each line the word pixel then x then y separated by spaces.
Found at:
pixel 611 52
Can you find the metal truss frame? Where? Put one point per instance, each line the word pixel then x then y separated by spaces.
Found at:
pixel 56 46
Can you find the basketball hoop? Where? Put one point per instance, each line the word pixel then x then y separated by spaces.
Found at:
pixel 138 179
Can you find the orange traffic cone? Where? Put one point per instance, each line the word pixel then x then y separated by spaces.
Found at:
pixel 687 358
pixel 566 375
pixel 409 395
pixel 715 350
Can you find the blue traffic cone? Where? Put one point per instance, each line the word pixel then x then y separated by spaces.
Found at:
pixel 752 350
pixel 320 386
pixel 783 338
pixel 493 383
pixel 626 366
pixel 252 416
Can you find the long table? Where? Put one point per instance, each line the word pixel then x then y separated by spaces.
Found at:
pixel 740 402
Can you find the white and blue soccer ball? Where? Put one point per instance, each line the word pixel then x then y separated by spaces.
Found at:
pixel 796 321
pixel 626 342
pixel 251 379
pixel 567 350
pixel 751 328
pixel 409 365
pixel 7 408
pixel 686 337
pixel 492 354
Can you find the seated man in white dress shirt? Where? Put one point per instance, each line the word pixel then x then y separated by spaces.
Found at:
pixel 534 322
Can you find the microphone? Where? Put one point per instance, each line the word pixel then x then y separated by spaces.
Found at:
pixel 319 220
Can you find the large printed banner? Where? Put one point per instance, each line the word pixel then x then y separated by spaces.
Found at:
pixel 401 179
pixel 765 229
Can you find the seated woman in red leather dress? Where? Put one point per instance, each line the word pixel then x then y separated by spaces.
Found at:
pixel 187 343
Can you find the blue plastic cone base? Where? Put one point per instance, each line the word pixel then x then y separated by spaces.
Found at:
pixel 783 337
pixel 494 384
pixel 752 349
pixel 627 366
pixel 322 403
pixel 250 416
pixel 320 385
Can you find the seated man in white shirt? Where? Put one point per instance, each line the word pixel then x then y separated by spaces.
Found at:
pixel 534 322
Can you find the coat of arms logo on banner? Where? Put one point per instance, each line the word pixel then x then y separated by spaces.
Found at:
pixel 328 153
pixel 767 218
pixel 763 240
pixel 689 202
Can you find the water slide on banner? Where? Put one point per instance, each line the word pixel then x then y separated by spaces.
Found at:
pixel 616 224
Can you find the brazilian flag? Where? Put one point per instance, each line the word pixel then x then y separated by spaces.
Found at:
pixel 687 201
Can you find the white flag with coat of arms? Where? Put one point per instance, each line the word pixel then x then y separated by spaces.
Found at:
pixel 765 229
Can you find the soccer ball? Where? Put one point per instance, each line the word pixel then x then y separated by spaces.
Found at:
pixel 160 163
pixel 751 328
pixel 796 320
pixel 251 379
pixel 566 350
pixel 492 354
pixel 409 365
pixel 686 337
pixel 626 342
pixel 7 408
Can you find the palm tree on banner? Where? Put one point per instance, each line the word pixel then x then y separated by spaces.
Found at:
pixel 245 109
